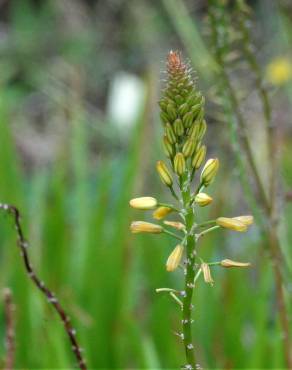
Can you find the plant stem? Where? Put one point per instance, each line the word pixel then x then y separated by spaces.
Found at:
pixel 172 234
pixel 189 279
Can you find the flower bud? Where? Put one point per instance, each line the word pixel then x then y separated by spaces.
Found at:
pixel 174 258
pixel 207 274
pixel 175 224
pixel 247 220
pixel 231 223
pixel 183 109
pixel 168 148
pixel 203 199
pixel 209 171
pixel 194 130
pixel 161 212
pixel 145 227
pixel 196 109
pixel 164 117
pixel 143 203
pixel 229 263
pixel 164 173
pixel 188 119
pixel 178 127
pixel 179 99
pixel 202 129
pixel 179 164
pixel 170 133
pixel 189 147
pixel 171 112
pixel 199 157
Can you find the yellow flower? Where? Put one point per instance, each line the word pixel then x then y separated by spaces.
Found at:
pixel 164 173
pixel 231 223
pixel 161 212
pixel 207 273
pixel 209 171
pixel 177 225
pixel 229 263
pixel 247 220
pixel 279 71
pixel 203 199
pixel 145 227
pixel 143 203
pixel 174 258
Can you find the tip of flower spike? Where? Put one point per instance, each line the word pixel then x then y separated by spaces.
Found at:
pixel 174 61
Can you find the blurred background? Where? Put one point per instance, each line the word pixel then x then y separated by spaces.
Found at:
pixel 79 136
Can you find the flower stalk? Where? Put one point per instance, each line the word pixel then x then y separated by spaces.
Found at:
pixel 182 115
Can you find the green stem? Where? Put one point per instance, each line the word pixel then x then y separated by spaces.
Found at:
pixel 207 223
pixel 172 234
pixel 168 206
pixel 207 231
pixel 189 279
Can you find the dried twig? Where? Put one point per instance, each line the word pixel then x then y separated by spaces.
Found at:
pixel 23 245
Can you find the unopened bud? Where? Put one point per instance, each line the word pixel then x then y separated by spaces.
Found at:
pixel 174 258
pixel 179 164
pixel 168 148
pixel 145 227
pixel 207 273
pixel 202 129
pixel 231 223
pixel 161 212
pixel 171 112
pixel 164 117
pixel 189 147
pixel 170 133
pixel 194 130
pixel 199 157
pixel 175 224
pixel 247 220
pixel 164 173
pixel 183 109
pixel 188 119
pixel 209 171
pixel 229 263
pixel 178 127
pixel 143 203
pixel 203 199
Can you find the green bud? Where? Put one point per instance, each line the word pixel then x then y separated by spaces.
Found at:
pixel 179 164
pixel 171 112
pixel 209 171
pixel 164 173
pixel 163 105
pixel 183 109
pixel 178 127
pixel 164 117
pixel 199 157
pixel 189 147
pixel 200 115
pixel 192 99
pixel 202 129
pixel 170 133
pixel 194 131
pixel 179 99
pixel 196 109
pixel 168 148
pixel 188 119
